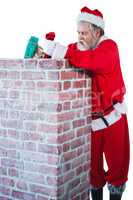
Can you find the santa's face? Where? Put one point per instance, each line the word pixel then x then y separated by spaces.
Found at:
pixel 87 38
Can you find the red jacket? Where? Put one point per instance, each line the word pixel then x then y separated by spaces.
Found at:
pixel 103 62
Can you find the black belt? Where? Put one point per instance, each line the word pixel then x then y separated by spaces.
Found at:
pixel 101 115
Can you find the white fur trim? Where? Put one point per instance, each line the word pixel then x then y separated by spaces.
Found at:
pixel 93 19
pixel 49 47
pixel 121 107
pixel 59 51
pixel 102 38
pixel 111 118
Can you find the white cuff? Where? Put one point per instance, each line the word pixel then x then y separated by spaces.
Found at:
pixel 49 47
pixel 59 51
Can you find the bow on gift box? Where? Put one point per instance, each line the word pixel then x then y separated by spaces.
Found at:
pixel 33 50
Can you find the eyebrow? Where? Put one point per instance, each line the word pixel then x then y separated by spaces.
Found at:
pixel 82 31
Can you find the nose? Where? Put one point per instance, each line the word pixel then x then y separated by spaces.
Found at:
pixel 80 36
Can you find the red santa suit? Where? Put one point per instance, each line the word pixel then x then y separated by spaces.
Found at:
pixel 109 129
pixel 109 123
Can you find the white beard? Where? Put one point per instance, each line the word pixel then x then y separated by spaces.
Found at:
pixel 82 47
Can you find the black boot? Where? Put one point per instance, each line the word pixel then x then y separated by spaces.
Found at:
pixel 115 197
pixel 97 194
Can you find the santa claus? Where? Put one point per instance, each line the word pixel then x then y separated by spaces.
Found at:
pixel 99 54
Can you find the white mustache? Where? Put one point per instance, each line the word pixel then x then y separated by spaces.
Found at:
pixel 82 45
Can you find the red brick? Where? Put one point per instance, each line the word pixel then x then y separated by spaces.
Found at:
pixel 3 74
pixel 32 177
pixel 75 182
pixel 49 107
pixel 13 75
pixel 51 75
pixel 76 198
pixel 66 147
pixel 77 104
pixel 67 96
pixel 48 149
pixel 4 190
pixel 3 93
pixel 30 126
pixel 3 170
pixel 34 136
pixel 66 75
pixel 6 162
pixel 67 167
pixel 69 155
pixel 4 198
pixel 42 198
pixel 66 85
pixel 50 86
pixel 17 84
pixel 12 124
pixel 7 181
pixel 12 153
pixel 61 190
pixel 13 172
pixel 51 139
pixel 67 116
pixel 11 63
pixel 43 190
pixel 30 64
pixel 3 132
pixel 78 123
pixel 22 185
pixel 80 93
pixel 66 137
pixel 83 131
pixel 51 180
pixel 69 176
pixel 23 195
pixel 77 143
pixel 13 134
pixel 84 195
pixel 29 85
pixel 67 106
pixel 81 75
pixel 61 128
pixel 79 170
pixel 47 128
pixel 29 75
pixel 52 159
pixel 51 64
pixel 13 94
pixel 30 146
pixel 79 84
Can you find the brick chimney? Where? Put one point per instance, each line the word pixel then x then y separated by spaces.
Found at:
pixel 44 130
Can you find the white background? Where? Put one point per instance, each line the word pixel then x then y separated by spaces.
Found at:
pixel 21 19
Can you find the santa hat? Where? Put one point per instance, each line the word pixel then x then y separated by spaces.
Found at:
pixel 93 16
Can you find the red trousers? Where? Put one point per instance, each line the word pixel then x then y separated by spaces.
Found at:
pixel 114 143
